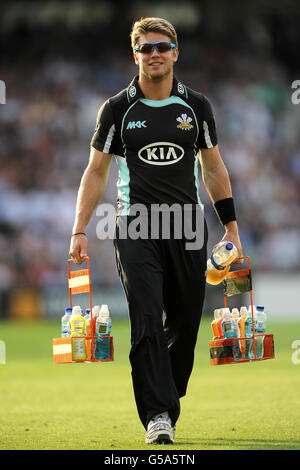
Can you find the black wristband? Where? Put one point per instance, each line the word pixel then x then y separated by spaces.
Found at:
pixel 78 233
pixel 225 210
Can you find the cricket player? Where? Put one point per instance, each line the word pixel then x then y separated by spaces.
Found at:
pixel 159 131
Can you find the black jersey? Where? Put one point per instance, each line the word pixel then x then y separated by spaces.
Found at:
pixel 155 144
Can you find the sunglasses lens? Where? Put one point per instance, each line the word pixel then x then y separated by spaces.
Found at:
pixel 146 48
pixel 161 47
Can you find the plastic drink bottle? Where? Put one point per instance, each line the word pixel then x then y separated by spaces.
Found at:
pixel 214 323
pixel 95 315
pixel 102 331
pixel 230 331
pixel 218 264
pixel 65 325
pixel 103 322
pixel 87 317
pixel 227 327
pixel 219 324
pixel 260 320
pixel 77 324
pixel 250 344
pixel 248 327
pixel 235 314
pixel 241 328
pixel 88 333
pixel 77 321
pixel 235 317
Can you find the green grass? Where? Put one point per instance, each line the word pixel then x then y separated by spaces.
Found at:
pixel 44 405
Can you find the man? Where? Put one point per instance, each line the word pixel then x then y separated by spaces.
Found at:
pixel 157 128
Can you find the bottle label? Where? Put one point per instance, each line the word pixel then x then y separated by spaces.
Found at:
pixel 259 327
pixel 216 265
pixel 77 326
pixel 227 326
pixel 65 328
pixel 102 328
pixel 79 349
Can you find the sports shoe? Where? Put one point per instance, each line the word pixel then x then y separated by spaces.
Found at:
pixel 160 430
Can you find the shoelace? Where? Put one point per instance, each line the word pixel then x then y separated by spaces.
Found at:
pixel 158 422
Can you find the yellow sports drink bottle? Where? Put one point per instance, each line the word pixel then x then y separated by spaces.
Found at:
pixel 218 264
pixel 241 329
pixel 77 324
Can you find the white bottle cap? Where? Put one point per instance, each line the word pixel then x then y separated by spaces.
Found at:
pixel 217 313
pixel 226 312
pixel 77 310
pixel 96 310
pixel 244 311
pixel 104 312
pixel 235 312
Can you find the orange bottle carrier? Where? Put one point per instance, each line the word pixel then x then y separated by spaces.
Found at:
pixel 222 351
pixel 79 282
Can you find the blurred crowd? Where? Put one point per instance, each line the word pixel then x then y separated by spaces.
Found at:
pixel 46 126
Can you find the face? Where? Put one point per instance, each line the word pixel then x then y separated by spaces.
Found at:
pixel 156 65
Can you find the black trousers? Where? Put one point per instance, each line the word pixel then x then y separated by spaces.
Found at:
pixel 161 276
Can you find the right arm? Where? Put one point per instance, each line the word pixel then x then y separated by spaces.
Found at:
pixel 91 189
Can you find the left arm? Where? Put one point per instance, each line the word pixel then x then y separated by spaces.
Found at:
pixel 216 180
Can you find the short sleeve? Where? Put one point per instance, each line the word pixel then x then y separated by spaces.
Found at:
pixel 105 133
pixel 207 128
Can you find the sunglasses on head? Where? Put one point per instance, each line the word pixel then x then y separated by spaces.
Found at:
pixel 148 47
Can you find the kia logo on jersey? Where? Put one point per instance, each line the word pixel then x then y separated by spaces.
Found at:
pixel 161 153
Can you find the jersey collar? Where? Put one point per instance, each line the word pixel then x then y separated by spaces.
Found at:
pixel 135 93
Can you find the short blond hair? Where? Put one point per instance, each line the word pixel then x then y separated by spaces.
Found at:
pixel 152 25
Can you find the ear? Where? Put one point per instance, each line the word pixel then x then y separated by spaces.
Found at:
pixel 175 54
pixel 136 58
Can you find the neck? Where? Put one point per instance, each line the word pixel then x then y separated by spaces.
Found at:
pixel 156 89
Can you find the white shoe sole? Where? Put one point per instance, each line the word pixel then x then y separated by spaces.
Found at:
pixel 160 437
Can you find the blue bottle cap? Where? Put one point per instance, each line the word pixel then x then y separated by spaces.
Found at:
pixel 229 246
pixel 260 308
pixel 87 310
pixel 68 310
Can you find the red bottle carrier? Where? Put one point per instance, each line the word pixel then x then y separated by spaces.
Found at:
pixel 222 350
pixel 79 283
